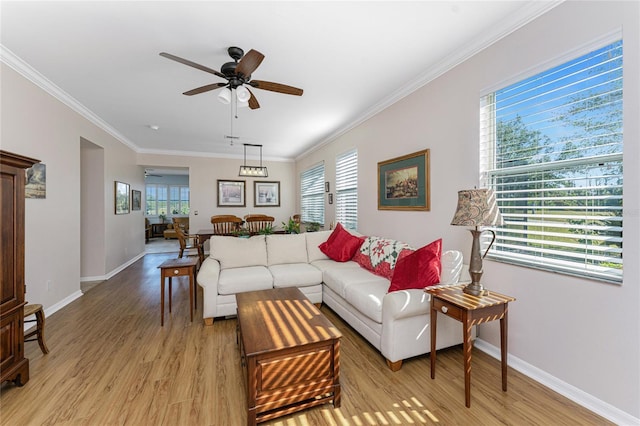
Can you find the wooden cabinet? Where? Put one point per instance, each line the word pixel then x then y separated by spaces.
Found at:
pixel 13 365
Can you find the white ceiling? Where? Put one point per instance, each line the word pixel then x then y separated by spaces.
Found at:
pixel 351 58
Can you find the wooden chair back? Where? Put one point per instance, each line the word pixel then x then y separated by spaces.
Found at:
pixel 187 242
pixel 225 224
pixel 255 224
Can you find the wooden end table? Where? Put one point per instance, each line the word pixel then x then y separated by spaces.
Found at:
pixel 470 310
pixel 181 267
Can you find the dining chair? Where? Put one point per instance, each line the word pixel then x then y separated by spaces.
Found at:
pixel 225 224
pixel 255 224
pixel 187 242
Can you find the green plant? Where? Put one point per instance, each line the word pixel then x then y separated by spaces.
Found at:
pixel 242 232
pixel 267 230
pixel 291 227
pixel 162 217
pixel 312 226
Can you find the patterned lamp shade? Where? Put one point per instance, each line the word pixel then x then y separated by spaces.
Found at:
pixel 477 207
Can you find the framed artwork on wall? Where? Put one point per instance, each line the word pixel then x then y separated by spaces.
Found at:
pixel 36 182
pixel 121 199
pixel 231 193
pixel 266 194
pixel 136 199
pixel 403 182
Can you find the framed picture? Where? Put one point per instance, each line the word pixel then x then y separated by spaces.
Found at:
pixel 36 183
pixel 403 182
pixel 266 194
pixel 331 198
pixel 136 199
pixel 231 193
pixel 121 199
pixel 326 187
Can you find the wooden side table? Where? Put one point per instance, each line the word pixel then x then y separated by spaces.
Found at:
pixel 470 310
pixel 182 267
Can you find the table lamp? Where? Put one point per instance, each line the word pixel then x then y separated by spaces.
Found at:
pixel 477 207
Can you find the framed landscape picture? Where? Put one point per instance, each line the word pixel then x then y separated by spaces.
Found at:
pixel 403 182
pixel 266 194
pixel 136 199
pixel 231 193
pixel 121 199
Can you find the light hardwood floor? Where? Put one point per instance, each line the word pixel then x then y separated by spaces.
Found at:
pixel 110 363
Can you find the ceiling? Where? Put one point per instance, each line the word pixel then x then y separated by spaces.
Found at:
pixel 351 58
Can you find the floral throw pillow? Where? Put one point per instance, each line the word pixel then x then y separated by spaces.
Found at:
pixel 380 255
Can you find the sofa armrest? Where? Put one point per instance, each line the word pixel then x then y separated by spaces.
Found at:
pixel 404 304
pixel 208 276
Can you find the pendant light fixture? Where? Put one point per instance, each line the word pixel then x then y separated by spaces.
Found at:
pixel 252 171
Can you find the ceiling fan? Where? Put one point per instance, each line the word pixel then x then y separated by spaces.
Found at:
pixel 238 76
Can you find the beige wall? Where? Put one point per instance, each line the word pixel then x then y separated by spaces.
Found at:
pixel 203 176
pixel 579 334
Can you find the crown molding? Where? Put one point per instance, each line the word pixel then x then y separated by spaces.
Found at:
pixel 31 74
pixel 517 20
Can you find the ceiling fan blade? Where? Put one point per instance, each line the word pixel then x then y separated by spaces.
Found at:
pixel 249 62
pixel 203 89
pixel 192 64
pixel 253 102
pixel 276 87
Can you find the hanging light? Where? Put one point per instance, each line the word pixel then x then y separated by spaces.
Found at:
pixel 225 96
pixel 243 94
pixel 252 171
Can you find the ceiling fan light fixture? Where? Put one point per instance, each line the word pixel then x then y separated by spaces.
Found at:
pixel 243 94
pixel 225 96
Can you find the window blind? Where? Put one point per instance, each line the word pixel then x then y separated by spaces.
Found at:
pixel 551 147
pixel 347 189
pixel 312 194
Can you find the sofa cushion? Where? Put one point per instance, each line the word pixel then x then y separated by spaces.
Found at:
pixel 451 267
pixel 341 245
pixel 235 252
pixel 337 279
pixel 379 255
pixel 314 239
pixel 295 275
pixel 367 297
pixel 419 269
pixel 239 280
pixel 288 248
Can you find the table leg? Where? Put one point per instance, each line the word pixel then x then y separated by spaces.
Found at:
pixel 467 347
pixel 161 299
pixel 170 292
pixel 433 323
pixel 503 348
pixel 191 293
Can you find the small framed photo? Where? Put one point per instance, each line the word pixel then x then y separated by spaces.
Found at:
pixel 136 199
pixel 403 182
pixel 121 198
pixel 266 194
pixel 331 198
pixel 326 187
pixel 231 193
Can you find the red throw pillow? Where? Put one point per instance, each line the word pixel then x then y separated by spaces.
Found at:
pixel 418 270
pixel 341 245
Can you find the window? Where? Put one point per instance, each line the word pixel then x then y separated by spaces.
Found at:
pixel 312 194
pixel 169 200
pixel 551 147
pixel 347 189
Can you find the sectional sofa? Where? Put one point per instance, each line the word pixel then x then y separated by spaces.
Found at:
pixel 396 323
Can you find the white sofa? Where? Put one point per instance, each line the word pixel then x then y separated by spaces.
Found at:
pixel 396 323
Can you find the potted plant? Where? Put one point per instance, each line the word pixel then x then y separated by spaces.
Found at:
pixel 291 227
pixel 312 226
pixel 242 233
pixel 267 230
pixel 162 217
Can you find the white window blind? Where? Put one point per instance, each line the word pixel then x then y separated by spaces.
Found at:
pixel 347 189
pixel 551 147
pixel 312 194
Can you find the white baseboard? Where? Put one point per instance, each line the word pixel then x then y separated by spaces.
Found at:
pixel 55 308
pixel 112 273
pixel 578 396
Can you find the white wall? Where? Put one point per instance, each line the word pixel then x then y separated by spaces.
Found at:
pixel 585 334
pixel 35 124
pixel 203 175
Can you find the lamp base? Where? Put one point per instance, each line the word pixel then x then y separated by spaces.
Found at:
pixel 474 289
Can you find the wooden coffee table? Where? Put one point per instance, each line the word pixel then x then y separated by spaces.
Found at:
pixel 290 351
